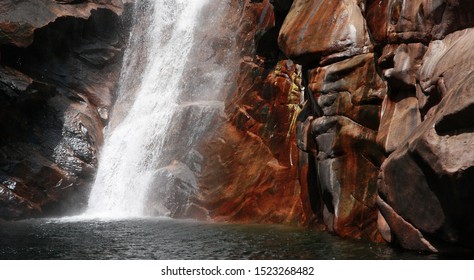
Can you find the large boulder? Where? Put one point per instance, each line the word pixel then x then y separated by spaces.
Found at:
pixel 427 181
pixel 20 19
pixel 400 109
pixel 310 35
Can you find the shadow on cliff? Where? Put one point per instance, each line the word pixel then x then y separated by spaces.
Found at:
pixel 56 94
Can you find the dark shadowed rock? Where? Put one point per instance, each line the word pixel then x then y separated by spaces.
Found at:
pixel 427 180
pixel 20 19
pixel 59 66
pixel 282 5
pixel 176 193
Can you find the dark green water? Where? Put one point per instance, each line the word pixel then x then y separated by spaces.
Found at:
pixel 178 239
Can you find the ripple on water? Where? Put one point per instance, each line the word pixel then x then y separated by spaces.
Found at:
pixel 164 238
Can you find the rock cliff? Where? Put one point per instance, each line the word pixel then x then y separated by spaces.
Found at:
pixel 244 168
pixel 59 63
pixel 387 118
pixel 250 171
pixel 352 115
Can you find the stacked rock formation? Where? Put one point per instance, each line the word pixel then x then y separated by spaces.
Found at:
pixel 388 79
pixel 339 123
pixel 426 183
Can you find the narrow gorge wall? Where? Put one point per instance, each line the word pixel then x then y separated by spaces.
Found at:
pixel 60 66
pixel 425 185
pixel 339 123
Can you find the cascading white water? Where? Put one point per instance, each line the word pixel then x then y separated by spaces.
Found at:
pixel 132 149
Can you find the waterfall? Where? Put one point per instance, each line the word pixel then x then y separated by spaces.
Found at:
pixel 150 96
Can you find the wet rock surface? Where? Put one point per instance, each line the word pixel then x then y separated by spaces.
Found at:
pixel 59 63
pixel 351 115
pixel 249 166
pixel 387 117
pixel 343 94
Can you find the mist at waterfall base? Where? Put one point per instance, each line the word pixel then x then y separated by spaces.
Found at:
pixel 161 112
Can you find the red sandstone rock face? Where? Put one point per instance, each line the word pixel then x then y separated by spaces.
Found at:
pixel 244 167
pixel 340 121
pixel 256 153
pixel 319 32
pixel 401 104
pixel 250 167
pixel 400 21
pixel 408 99
pixel 58 68
pixel 424 121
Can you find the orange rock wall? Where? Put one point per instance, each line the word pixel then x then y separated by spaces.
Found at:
pixel 386 116
pixel 250 169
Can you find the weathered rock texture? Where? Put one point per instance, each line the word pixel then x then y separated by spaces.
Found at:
pixel 388 78
pixel 59 63
pixel 249 166
pixel 424 185
pixel 380 147
pixel 427 180
pixel 339 123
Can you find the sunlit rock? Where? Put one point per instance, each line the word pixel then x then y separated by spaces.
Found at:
pixel 427 180
pixel 324 31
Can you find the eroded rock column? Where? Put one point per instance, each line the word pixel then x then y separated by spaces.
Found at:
pixel 339 124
